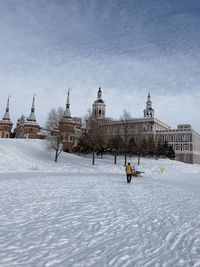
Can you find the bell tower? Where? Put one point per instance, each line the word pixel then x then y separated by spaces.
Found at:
pixel 149 111
pixel 99 107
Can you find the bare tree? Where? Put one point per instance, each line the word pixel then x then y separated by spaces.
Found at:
pixel 54 138
pixel 125 122
pixel 94 132
pixel 54 117
pixel 141 140
pixel 115 144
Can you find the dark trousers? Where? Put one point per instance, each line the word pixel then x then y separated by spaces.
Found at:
pixel 128 178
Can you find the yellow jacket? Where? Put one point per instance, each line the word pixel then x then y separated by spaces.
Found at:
pixel 129 169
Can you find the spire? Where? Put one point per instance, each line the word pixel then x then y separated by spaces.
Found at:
pixel 148 103
pixel 67 110
pixel 32 115
pixel 6 116
pixel 99 94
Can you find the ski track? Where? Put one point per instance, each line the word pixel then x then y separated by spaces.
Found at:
pixel 97 220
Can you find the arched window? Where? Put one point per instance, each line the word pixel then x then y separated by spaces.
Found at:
pixel 100 112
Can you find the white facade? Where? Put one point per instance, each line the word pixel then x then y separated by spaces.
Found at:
pixel 185 142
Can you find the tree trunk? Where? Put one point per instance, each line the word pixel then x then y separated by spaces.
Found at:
pixel 115 159
pixel 138 159
pixel 125 158
pixel 56 156
pixel 93 157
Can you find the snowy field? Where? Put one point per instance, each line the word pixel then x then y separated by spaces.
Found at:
pixel 71 213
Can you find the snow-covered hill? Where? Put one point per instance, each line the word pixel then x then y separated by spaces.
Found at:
pixel 71 213
pixel 23 155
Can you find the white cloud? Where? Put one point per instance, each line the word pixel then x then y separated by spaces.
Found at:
pixel 128 50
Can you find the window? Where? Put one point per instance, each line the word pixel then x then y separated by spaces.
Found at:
pixel 186 147
pixel 187 138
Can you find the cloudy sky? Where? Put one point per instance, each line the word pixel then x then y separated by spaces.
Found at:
pixel 128 47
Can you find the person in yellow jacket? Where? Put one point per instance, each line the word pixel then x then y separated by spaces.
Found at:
pixel 129 172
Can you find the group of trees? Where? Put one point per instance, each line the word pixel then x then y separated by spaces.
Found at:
pixel 133 147
pixel 148 147
pixel 138 145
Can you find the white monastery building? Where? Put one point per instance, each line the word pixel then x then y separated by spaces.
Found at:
pixel 184 140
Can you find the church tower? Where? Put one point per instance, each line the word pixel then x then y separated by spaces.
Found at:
pixel 149 111
pixel 99 107
pixel 5 123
